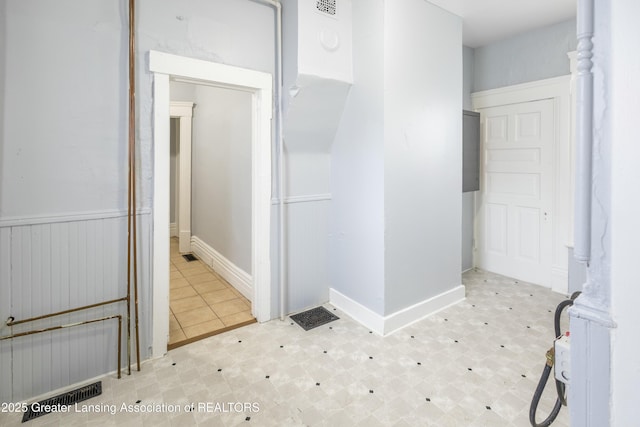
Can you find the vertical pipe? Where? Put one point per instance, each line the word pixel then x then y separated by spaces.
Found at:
pixel 281 193
pixel 129 240
pixel 119 344
pixel 280 152
pixel 132 170
pixel 584 132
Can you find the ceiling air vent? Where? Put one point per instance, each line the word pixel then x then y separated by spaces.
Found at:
pixel 327 7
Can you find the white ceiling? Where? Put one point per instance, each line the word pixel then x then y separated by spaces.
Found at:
pixel 487 21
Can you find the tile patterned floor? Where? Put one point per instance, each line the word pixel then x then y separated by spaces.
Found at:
pixel 473 364
pixel 202 303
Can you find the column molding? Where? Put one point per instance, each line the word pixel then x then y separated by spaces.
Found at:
pixel 590 318
pixel 584 131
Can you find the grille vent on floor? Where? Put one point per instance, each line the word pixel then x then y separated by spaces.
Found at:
pixel 313 318
pixel 64 399
pixel 327 7
pixel 189 257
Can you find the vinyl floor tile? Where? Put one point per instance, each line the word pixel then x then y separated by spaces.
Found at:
pixel 480 363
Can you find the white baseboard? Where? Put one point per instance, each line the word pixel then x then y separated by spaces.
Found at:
pixel 236 277
pixel 357 311
pixel 173 230
pixel 385 325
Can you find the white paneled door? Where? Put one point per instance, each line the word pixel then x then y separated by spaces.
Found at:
pixel 515 216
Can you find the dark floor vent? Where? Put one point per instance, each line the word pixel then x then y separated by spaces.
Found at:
pixel 43 407
pixel 189 257
pixel 313 318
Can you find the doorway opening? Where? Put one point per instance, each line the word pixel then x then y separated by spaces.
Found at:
pixel 210 187
pixel 166 68
pixel 523 219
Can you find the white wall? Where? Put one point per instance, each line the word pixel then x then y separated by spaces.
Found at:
pixel 356 242
pixel 422 152
pixel 396 161
pixel 317 78
pixel 468 212
pixel 63 146
pixel 625 210
pixel 221 173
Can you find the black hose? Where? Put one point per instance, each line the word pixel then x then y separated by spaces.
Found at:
pixel 558 313
pixel 561 400
pixel 536 399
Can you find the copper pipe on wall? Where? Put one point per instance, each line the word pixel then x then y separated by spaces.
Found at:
pixel 132 263
pixel 70 325
pixel 132 136
pixel 129 181
pixel 131 234
pixel 59 313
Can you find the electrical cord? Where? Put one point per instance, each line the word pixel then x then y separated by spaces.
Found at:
pixel 561 400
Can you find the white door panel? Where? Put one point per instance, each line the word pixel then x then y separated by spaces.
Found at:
pixel 521 185
pixel 523 156
pixel 496 236
pixel 528 237
pixel 515 200
pixel 528 127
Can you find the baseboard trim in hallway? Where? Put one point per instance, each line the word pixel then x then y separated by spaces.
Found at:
pixel 202 303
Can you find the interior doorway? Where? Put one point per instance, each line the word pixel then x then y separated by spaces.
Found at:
pixel 516 195
pixel 523 208
pixel 166 67
pixel 210 252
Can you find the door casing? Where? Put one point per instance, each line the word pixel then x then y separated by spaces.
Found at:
pixel 183 111
pixel 558 89
pixel 166 67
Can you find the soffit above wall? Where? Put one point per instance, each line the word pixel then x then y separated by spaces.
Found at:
pixel 487 21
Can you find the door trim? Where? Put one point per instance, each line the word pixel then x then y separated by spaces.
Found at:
pixel 184 112
pixel 559 90
pixel 165 67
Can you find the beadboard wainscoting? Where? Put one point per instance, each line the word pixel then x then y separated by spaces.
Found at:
pixel 52 264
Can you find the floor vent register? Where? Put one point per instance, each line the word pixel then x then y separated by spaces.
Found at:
pixel 65 399
pixel 313 318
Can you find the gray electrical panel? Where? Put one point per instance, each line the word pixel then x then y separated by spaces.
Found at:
pixel 470 151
